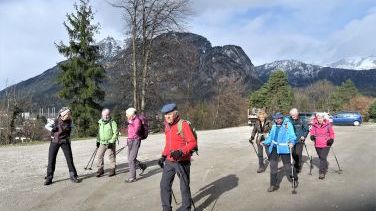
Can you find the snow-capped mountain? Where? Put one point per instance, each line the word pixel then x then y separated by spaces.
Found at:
pixel 355 63
pixel 301 74
pixel 297 71
pixel 109 48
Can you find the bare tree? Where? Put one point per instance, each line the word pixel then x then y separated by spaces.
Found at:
pixel 146 19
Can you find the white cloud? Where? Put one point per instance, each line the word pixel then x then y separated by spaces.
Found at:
pixel 357 38
pixel 313 31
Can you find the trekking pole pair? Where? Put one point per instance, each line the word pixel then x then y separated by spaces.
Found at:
pixel 119 150
pixel 92 158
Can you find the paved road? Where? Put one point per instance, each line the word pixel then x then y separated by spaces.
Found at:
pixel 223 177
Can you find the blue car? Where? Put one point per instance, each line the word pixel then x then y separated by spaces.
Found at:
pixel 347 118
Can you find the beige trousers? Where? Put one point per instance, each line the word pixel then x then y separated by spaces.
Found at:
pixel 111 156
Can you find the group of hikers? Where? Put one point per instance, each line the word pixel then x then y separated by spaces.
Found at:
pixel 180 144
pixel 282 137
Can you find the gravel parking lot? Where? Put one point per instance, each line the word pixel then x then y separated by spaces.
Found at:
pixel 223 177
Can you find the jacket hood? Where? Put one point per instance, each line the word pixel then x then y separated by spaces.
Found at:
pixel 316 122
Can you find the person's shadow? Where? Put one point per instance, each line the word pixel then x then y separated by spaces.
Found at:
pixel 214 190
pixel 122 169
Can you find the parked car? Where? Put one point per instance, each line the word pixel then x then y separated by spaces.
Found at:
pixel 347 118
pixel 307 116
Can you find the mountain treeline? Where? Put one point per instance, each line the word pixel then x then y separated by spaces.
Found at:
pixel 277 95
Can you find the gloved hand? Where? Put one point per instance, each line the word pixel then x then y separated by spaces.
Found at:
pixel 161 161
pixel 177 154
pixel 313 138
pixel 302 139
pixel 110 145
pixel 98 144
pixel 251 140
pixel 330 142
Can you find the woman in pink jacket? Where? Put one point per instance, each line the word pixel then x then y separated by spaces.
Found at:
pixel 323 135
pixel 134 143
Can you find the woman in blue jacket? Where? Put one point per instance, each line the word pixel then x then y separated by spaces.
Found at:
pixel 280 141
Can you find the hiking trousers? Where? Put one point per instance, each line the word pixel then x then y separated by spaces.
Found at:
pixel 52 154
pixel 182 169
pixel 286 165
pixel 111 156
pixel 323 156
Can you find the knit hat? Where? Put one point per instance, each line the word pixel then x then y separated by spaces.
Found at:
pixel 278 115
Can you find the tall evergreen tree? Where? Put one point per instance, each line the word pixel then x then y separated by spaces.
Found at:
pixel 274 95
pixel 343 94
pixel 372 110
pixel 81 74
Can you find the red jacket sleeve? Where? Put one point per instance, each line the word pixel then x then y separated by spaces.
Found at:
pixel 191 142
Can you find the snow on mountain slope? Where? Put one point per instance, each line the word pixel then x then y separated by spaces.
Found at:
pixel 355 63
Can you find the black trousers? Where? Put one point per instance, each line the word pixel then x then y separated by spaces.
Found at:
pixel 260 154
pixel 297 154
pixel 323 156
pixel 52 153
pixel 182 169
pixel 274 167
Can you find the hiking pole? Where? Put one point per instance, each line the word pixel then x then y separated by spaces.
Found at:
pixel 119 150
pixel 92 161
pixel 87 165
pixel 173 196
pixel 310 160
pixel 186 183
pixel 292 173
pixel 254 148
pixel 172 191
pixel 339 168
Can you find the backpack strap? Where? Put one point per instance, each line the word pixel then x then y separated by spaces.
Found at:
pixel 180 128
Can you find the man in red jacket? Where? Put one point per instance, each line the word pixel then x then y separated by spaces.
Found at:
pixel 176 157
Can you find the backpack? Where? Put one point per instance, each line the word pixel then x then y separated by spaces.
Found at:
pixel 144 127
pixel 181 132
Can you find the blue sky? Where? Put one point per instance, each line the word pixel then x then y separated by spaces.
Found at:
pixel 313 31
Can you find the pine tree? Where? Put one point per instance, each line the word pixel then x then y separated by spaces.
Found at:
pixel 81 75
pixel 372 110
pixel 275 95
pixel 343 95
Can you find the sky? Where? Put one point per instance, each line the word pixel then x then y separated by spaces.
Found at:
pixel 312 31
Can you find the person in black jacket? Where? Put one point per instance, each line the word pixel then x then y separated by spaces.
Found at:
pixel 60 133
pixel 259 133
pixel 301 131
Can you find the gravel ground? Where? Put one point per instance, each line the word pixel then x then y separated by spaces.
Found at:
pixel 223 177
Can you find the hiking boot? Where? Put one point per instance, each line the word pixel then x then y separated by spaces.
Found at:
pixel 100 172
pixel 298 169
pixel 48 182
pixel 321 176
pixel 142 167
pixel 261 169
pixel 296 183
pixel 75 180
pixel 131 180
pixel 272 188
pixel 112 173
